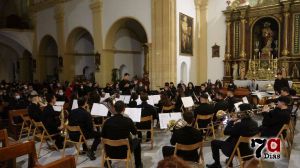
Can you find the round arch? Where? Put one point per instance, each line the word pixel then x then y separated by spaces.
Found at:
pixel 80 54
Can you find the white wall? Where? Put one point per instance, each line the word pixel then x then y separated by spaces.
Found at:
pixel 186 7
pixel 114 10
pixel 216 33
pixel 133 62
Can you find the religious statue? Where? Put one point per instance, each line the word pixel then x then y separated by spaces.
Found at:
pixel 284 73
pixel 235 71
pixel 267 34
pixel 227 68
pixel 295 72
pixel 242 70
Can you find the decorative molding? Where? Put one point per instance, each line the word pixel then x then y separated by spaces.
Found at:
pixel 44 4
pixel 123 51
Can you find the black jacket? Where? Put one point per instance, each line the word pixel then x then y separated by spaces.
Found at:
pixel 35 112
pixel 273 122
pixel 125 90
pixel 280 83
pixel 147 110
pixel 203 109
pixel 247 128
pixel 118 127
pixel 50 119
pixel 230 102
pixel 187 136
pixel 80 117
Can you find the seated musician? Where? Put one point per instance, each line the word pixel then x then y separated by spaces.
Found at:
pixel 221 104
pixel 204 108
pixel 51 121
pixel 133 102
pixel 274 119
pixel 235 128
pixel 231 100
pixel 120 127
pixel 147 110
pixel 178 101
pixel 80 117
pixel 34 110
pixel 173 88
pixel 186 135
pixel 280 83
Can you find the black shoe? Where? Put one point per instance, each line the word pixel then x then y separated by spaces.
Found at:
pixel 91 155
pixel 230 165
pixel 214 165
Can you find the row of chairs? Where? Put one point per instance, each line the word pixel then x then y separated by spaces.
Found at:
pixel 9 152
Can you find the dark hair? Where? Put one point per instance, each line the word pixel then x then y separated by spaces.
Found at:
pixel 220 94
pixel 188 117
pixel 126 74
pixel 81 101
pixel 285 89
pixel 49 97
pixel 279 73
pixel 284 99
pixel 204 96
pixel 119 106
pixel 245 106
pixel 134 96
pixel 144 96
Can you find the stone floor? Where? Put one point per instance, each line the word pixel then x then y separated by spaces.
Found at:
pixel 150 157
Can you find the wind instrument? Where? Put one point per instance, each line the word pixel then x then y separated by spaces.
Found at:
pixel 173 125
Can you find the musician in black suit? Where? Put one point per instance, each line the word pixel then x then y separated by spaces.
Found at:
pixel 204 108
pixel 34 110
pixel 51 121
pixel 221 104
pixel 231 100
pixel 235 128
pixel 80 117
pixel 147 110
pixel 274 119
pixel 133 102
pixel 186 135
pixel 280 82
pixel 121 127
pixel 125 85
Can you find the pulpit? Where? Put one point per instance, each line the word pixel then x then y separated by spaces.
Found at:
pixel 262 38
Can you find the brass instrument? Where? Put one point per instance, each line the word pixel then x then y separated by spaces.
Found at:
pixel 221 114
pixel 172 125
pixel 243 114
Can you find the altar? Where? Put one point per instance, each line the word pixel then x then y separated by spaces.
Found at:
pixel 262 84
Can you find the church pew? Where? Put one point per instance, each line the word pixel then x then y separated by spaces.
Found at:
pixel 65 162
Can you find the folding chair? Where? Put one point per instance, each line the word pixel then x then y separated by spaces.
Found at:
pixel 209 127
pixel 145 119
pixel 116 143
pixel 237 150
pixel 65 162
pixel 198 145
pixel 78 143
pixel 26 127
pixel 42 134
pixel 167 109
pixel 98 125
pixel 285 141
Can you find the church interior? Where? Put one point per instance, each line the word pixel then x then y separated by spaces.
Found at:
pixel 149 83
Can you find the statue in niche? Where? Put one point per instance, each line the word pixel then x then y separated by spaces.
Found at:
pixel 268 39
pixel 242 70
pixel 235 71
pixel 227 68
pixel 295 72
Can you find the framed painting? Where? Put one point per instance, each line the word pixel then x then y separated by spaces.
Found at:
pixel 186 34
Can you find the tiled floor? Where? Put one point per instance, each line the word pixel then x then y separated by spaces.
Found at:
pixel 150 157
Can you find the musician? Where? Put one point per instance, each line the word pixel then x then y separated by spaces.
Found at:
pixel 120 127
pixel 274 119
pixel 204 108
pixel 231 100
pixel 133 102
pixel 221 104
pixel 186 135
pixel 178 101
pixel 280 82
pixel 124 85
pixel 190 90
pixel 147 110
pixel 164 101
pixel 173 88
pixel 51 121
pixel 80 117
pixel 235 128
pixel 167 91
pixel 109 88
pixel 34 110
pixel 253 86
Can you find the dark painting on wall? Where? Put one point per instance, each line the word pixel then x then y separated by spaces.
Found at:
pixel 186 34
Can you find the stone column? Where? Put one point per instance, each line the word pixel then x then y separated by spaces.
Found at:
pixel 146 57
pixel 243 34
pixel 228 40
pixel 201 31
pixel 163 59
pixel 103 75
pixel 286 16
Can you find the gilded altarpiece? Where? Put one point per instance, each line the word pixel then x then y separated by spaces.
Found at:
pixel 262 39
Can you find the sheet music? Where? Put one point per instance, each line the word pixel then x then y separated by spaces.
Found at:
pixel 258 94
pixel 155 98
pixel 99 110
pixel 187 102
pixel 151 102
pixel 134 114
pixel 57 108
pixel 164 118
pixel 209 98
pixel 74 104
pixel 126 99
pixel 107 95
pixel 59 103
pixel 245 100
pixel 236 105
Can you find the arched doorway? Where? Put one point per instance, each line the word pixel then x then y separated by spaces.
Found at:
pixel 48 52
pixel 125 43
pixel 80 47
pixel 183 72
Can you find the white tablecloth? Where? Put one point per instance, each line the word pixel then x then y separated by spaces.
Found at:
pixel 262 84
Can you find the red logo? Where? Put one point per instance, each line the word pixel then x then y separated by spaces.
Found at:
pixel 268 148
